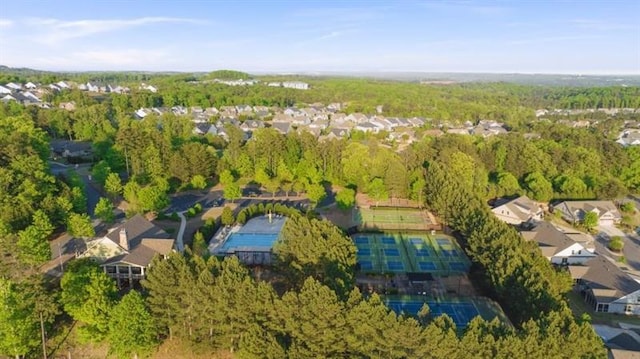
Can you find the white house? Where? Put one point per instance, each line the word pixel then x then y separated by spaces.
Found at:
pixel 127 250
pixel 629 137
pixel 605 287
pixel 517 211
pixel 574 211
pixel 14 86
pixel 4 90
pixel 296 85
pixel 556 246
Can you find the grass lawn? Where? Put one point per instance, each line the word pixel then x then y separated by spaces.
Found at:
pixel 579 307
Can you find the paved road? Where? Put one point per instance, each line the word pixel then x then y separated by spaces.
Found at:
pixel 179 237
pixel 92 193
pixel 631 250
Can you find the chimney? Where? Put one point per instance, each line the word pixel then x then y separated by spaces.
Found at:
pixel 124 241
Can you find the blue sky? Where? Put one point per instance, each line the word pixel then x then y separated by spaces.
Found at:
pixel 544 36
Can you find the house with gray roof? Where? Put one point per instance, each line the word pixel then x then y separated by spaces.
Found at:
pixel 557 246
pixel 605 287
pixel 629 137
pixel 517 210
pixel 574 211
pixel 282 127
pixel 126 251
pixel 251 125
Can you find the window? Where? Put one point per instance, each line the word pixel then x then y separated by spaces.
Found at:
pixel 136 270
pixel 573 252
pixel 580 251
pixel 627 308
pixel 123 270
pixel 112 270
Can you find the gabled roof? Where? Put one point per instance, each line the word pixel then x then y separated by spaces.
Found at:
pixel 549 238
pixel 145 241
pixel 283 127
pixel 572 208
pixel 607 281
pixel 137 228
pixel 522 207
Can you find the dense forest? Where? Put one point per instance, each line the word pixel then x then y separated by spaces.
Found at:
pixel 314 309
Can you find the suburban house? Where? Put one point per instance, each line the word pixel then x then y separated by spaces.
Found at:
pixel 605 287
pixel 64 148
pixel 127 250
pixel 574 211
pixel 517 211
pixel 295 85
pixel 629 137
pixel 557 246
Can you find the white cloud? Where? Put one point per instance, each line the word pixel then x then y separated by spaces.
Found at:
pixel 6 23
pixel 55 30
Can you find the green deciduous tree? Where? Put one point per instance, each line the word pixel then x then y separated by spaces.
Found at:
pixel 104 210
pixel 132 331
pixel 79 225
pixel 377 191
pixel 346 198
pixel 88 295
pixel 33 246
pixel 113 185
pixel 316 193
pixel 227 216
pixel 590 220
pixel 539 187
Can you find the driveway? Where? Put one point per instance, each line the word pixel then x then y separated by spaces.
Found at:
pixel 631 248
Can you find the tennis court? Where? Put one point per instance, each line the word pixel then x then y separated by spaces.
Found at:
pixel 416 253
pixel 392 218
pixel 381 253
pixel 460 311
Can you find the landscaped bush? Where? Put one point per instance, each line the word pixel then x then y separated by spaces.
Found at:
pixel 616 244
pixel 628 207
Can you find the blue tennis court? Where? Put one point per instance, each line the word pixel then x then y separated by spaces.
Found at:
pixel 416 240
pixel 461 312
pixel 387 240
pixel 423 253
pixel 362 240
pixel 395 266
pixel 450 253
pixel 364 251
pixel 458 266
pixel 443 241
pixel 391 252
pixel 366 265
pixel 237 240
pixel 427 266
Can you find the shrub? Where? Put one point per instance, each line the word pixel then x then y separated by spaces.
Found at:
pixel 197 207
pixel 628 207
pixel 616 244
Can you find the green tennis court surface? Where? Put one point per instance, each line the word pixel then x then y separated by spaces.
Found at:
pixel 392 218
pixel 413 253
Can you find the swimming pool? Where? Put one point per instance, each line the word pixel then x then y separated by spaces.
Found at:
pixel 238 241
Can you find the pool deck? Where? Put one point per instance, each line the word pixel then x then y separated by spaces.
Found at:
pixel 256 225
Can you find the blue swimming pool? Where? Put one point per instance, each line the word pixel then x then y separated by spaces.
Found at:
pixel 243 240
